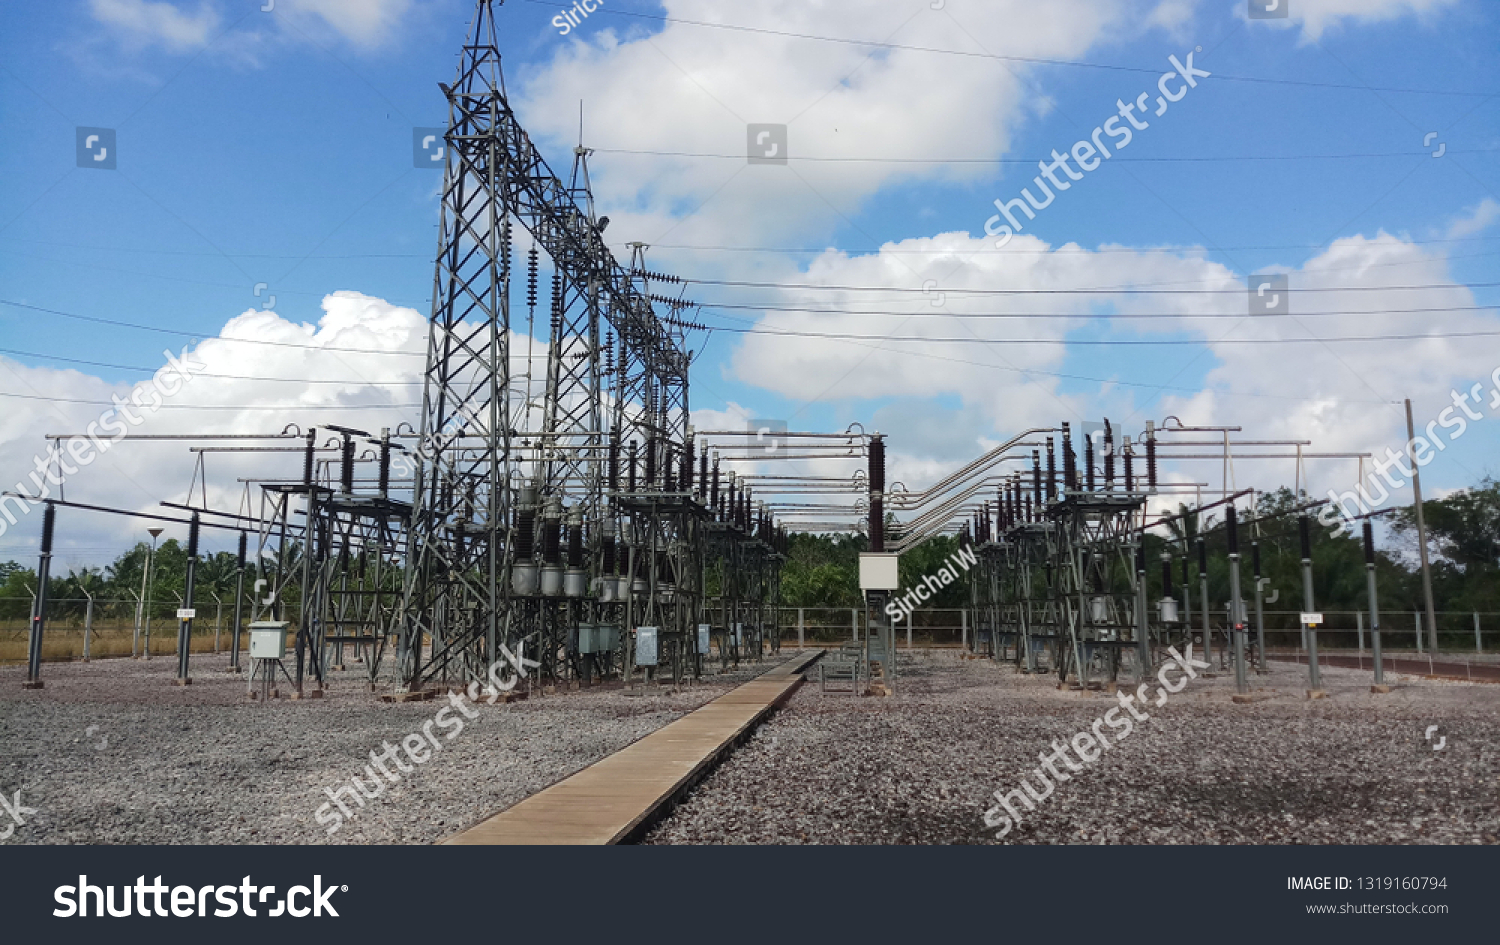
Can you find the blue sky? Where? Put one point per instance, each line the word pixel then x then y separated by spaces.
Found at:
pixel 276 147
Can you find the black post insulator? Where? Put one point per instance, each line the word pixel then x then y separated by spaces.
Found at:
pixel 1140 559
pixel 650 463
pixel 702 472
pixel 877 491
pixel 1185 568
pixel 1036 475
pixel 1001 511
pixel 1255 558
pixel 575 545
pixel 385 466
pixel 1030 510
pixel 1088 463
pixel 307 459
pixel 1129 472
pixel 1166 576
pixel 49 523
pixel 1051 473
pixel 630 470
pixel 713 487
pixel 1304 528
pixel 668 480
pixel 1369 535
pixel 347 466
pixel 1202 556
pixel 1232 529
pixel 531 267
pixel 608 554
pixel 192 548
pixel 240 561
pixel 551 540
pixel 1151 464
pixel 1070 460
pixel 688 461
pixel 1109 455
pixel 525 534
pixel 614 462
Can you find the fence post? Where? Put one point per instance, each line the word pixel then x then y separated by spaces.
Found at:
pixel 89 624
pixel 908 630
pixel 799 627
pixel 1417 620
pixel 1478 643
pixel 854 620
pixel 963 640
pixel 1359 629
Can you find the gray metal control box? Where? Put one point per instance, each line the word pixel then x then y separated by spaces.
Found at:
pixel 645 646
pixel 268 640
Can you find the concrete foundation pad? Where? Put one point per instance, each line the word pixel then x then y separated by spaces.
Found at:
pixel 1380 689
pixel 419 696
pixel 182 682
pixel 33 684
pixel 1248 698
pixel 1316 694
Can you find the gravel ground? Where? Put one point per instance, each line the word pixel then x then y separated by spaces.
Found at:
pixel 111 752
pixel 921 766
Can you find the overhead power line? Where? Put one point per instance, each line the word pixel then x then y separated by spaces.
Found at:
pixel 1033 60
pixel 1107 342
pixel 284 407
pixel 1089 316
pixel 1165 159
pixel 1097 290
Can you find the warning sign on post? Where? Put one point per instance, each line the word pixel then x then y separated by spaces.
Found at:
pixel 1311 620
pixel 186 613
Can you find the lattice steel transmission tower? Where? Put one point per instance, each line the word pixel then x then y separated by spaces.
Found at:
pixel 500 473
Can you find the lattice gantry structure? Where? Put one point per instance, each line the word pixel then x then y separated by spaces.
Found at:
pixel 523 536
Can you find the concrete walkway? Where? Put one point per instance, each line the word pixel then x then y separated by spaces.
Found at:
pixel 616 799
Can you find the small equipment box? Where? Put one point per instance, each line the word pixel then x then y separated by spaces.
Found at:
pixel 268 640
pixel 645 646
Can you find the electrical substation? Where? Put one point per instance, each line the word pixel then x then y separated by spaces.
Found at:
pixel 566 533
